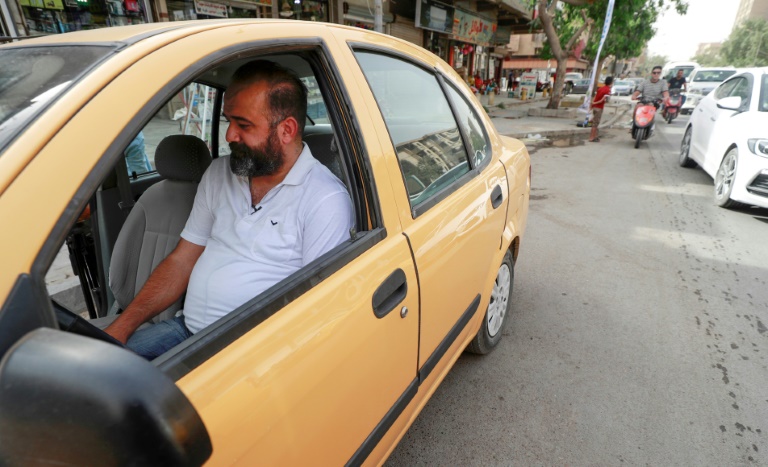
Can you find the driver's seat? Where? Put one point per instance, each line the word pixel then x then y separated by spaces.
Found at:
pixel 153 227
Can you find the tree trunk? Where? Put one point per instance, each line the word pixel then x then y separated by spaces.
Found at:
pixel 546 14
pixel 557 88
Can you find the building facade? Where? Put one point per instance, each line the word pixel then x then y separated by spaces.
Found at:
pixel 751 9
pixel 471 35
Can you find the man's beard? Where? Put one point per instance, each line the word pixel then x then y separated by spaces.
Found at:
pixel 253 162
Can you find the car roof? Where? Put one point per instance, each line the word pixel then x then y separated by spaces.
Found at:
pixel 134 33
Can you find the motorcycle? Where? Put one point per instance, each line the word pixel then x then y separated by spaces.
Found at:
pixel 642 120
pixel 672 105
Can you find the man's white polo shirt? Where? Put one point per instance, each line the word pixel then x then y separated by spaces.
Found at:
pixel 247 249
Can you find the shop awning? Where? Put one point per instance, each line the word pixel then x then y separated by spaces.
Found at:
pixel 540 63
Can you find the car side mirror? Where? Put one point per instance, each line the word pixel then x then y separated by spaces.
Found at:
pixel 729 103
pixel 72 400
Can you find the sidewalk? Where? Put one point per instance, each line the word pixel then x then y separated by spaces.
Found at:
pixel 511 118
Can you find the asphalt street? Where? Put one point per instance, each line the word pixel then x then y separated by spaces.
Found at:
pixel 638 331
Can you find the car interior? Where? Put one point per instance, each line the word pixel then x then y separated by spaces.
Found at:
pixel 135 217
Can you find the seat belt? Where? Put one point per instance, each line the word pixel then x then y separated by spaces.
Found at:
pixel 124 186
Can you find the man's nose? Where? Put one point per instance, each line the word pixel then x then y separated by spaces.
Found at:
pixel 232 134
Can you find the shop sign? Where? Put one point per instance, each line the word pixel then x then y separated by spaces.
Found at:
pixel 434 16
pixel 474 29
pixel 210 9
pixel 50 4
pixel 528 81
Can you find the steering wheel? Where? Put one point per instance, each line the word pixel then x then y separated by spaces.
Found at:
pixel 71 322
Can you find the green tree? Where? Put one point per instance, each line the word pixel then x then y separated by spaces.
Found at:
pixel 710 58
pixel 631 29
pixel 747 45
pixel 644 68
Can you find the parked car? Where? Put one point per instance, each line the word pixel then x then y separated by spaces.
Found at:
pixel 635 82
pixel 622 88
pixel 701 82
pixel 570 79
pixel 727 136
pixel 329 366
pixel 580 86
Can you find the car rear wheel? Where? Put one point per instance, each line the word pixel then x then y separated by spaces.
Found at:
pixel 497 314
pixel 685 149
pixel 724 179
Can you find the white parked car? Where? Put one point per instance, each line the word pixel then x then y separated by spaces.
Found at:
pixel 727 135
pixel 701 82
pixel 623 88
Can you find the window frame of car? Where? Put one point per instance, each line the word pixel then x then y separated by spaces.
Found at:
pixel 369 230
pixel 762 104
pixel 443 81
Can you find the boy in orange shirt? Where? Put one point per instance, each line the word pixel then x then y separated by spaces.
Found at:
pixel 598 104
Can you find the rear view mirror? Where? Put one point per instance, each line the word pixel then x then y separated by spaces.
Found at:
pixel 729 103
pixel 72 400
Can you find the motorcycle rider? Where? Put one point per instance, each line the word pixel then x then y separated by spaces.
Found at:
pixel 653 88
pixel 679 82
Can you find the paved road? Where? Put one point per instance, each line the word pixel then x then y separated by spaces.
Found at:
pixel 639 325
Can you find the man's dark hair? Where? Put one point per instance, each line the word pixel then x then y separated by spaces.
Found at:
pixel 287 94
pixel 657 67
pixel 609 80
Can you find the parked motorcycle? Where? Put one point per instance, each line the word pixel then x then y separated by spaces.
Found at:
pixel 642 121
pixel 672 105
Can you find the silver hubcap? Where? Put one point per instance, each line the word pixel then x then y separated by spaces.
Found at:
pixel 725 175
pixel 685 146
pixel 497 309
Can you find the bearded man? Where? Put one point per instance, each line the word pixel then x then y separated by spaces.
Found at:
pixel 260 214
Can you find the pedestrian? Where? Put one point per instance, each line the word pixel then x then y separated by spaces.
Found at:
pixel 598 104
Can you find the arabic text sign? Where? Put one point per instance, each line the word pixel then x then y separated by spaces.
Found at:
pixel 210 9
pixel 473 29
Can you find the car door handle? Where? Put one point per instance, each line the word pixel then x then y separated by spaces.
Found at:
pixel 496 197
pixel 391 292
pixel 712 118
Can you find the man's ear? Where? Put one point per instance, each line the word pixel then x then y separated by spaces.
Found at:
pixel 287 130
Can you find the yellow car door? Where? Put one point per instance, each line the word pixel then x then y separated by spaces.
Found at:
pixel 451 191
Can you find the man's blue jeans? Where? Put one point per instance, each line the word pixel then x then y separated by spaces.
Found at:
pixel 155 340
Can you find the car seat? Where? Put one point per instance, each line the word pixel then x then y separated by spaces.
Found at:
pixel 153 227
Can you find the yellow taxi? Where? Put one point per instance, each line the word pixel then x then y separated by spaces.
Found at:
pixel 103 138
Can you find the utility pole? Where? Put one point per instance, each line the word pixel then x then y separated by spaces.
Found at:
pixel 378 25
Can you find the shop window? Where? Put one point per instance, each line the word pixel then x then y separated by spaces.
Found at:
pixel 59 16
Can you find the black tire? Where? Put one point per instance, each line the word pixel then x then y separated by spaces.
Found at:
pixel 497 314
pixel 685 149
pixel 639 137
pixel 670 117
pixel 724 178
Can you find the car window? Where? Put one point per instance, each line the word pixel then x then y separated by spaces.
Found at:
pixel 741 88
pixel 724 89
pixel 189 112
pixel 31 78
pixel 470 124
pixel 712 76
pixel 763 104
pixel 420 123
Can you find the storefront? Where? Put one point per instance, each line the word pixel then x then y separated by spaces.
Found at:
pixel 436 19
pixel 58 16
pixel 471 37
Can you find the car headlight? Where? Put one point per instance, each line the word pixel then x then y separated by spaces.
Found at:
pixel 759 146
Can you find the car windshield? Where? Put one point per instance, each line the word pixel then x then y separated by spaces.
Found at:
pixel 623 83
pixel 33 77
pixel 712 76
pixel 581 82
